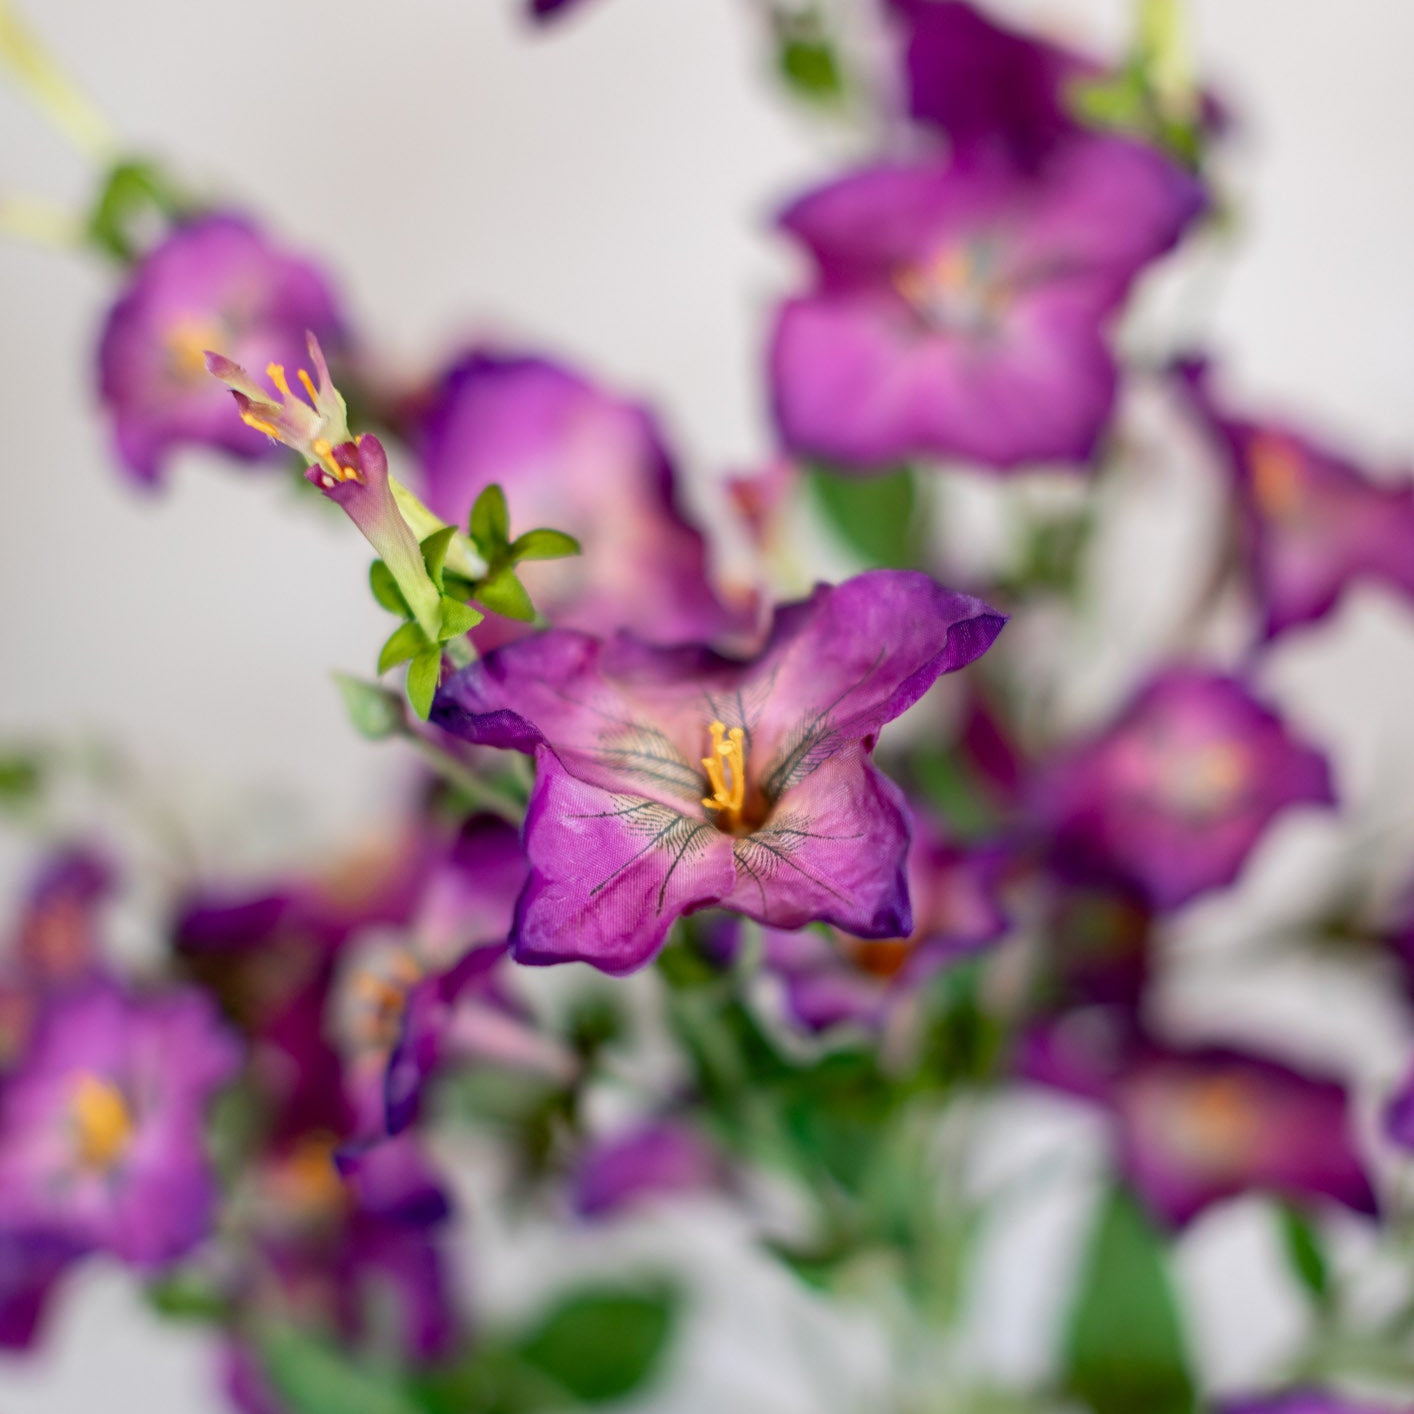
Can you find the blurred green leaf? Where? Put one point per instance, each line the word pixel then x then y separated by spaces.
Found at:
pixel 490 524
pixel 131 189
pixel 187 1296
pixel 385 589
pixel 312 1376
pixel 406 641
pixel 21 780
pixel 1125 1351
pixel 873 515
pixel 504 594
pixel 374 711
pixel 424 672
pixel 809 67
pixel 1305 1251
pixel 951 789
pixel 544 545
pixel 457 618
pixel 600 1343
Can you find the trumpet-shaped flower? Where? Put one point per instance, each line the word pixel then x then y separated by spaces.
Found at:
pixel 963 310
pixel 215 283
pixel 671 779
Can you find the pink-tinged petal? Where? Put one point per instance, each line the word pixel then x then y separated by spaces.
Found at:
pixel 1312 521
pixel 215 283
pixel 610 873
pixel 1174 796
pixel 568 454
pixel 833 849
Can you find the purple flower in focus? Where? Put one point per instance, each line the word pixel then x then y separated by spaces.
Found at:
pixel 215 283
pixel 963 310
pixel 102 1126
pixel 837 978
pixel 996 93
pixel 669 780
pixel 570 455
pixel 1174 795
pixel 661 1159
pixel 1311 521
pixel 1196 1126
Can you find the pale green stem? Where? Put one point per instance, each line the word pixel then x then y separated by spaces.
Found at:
pixel 39 222
pixel 50 89
pixel 1163 42
pixel 461 556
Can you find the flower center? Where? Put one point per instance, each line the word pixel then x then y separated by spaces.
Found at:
pixel 103 1123
pixel 1205 782
pixel 955 290
pixel 186 342
pixel 726 774
pixel 1276 479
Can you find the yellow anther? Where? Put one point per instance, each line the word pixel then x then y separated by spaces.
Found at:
pixel 308 386
pixel 325 452
pixel 260 425
pixel 726 773
pixel 103 1123
pixel 276 374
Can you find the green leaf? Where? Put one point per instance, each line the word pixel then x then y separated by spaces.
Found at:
pixel 544 545
pixel 602 1343
pixel 385 590
pixel 312 1376
pixel 1305 1251
pixel 434 551
pixel 490 524
pixel 457 618
pixel 423 674
pixel 873 515
pixel 129 190
pixel 375 712
pixel 406 641
pixel 21 780
pixel 1125 1351
pixel 504 594
pixel 187 1296
pixel 809 66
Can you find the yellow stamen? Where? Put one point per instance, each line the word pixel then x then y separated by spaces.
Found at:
pixel 325 453
pixel 308 386
pixel 276 374
pixel 103 1121
pixel 726 773
pixel 260 425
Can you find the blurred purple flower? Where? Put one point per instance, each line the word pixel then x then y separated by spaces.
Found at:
pixel 1199 1125
pixel 669 780
pixel 1173 796
pixel 660 1159
pixel 570 455
pixel 102 1130
pixel 1308 1401
pixel 214 283
pixel 996 93
pixel 543 11
pixel 833 978
pixel 962 311
pixel 1399 1114
pixel 30 1267
pixel 1311 521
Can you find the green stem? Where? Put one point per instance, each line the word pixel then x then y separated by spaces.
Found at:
pixel 482 794
pixel 51 90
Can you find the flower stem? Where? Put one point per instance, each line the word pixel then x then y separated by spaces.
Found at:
pixel 481 793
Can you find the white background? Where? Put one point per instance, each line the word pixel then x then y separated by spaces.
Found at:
pixel 600 192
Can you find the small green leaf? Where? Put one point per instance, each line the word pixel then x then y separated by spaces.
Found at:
pixel 504 594
pixel 434 551
pixel 21 780
pixel 1125 1350
pixel 423 674
pixel 187 1296
pixel 809 66
pixel 406 641
pixel 601 1343
pixel 1305 1251
pixel 385 590
pixel 313 1376
pixel 544 545
pixel 374 711
pixel 873 515
pixel 457 618
pixel 490 523
pixel 130 190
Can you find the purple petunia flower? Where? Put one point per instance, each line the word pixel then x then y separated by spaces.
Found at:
pixel 962 310
pixel 652 1161
pixel 669 780
pixel 570 455
pixel 1172 798
pixel 1196 1126
pixel 839 978
pixel 1311 521
pixel 215 283
pixel 996 93
pixel 102 1128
